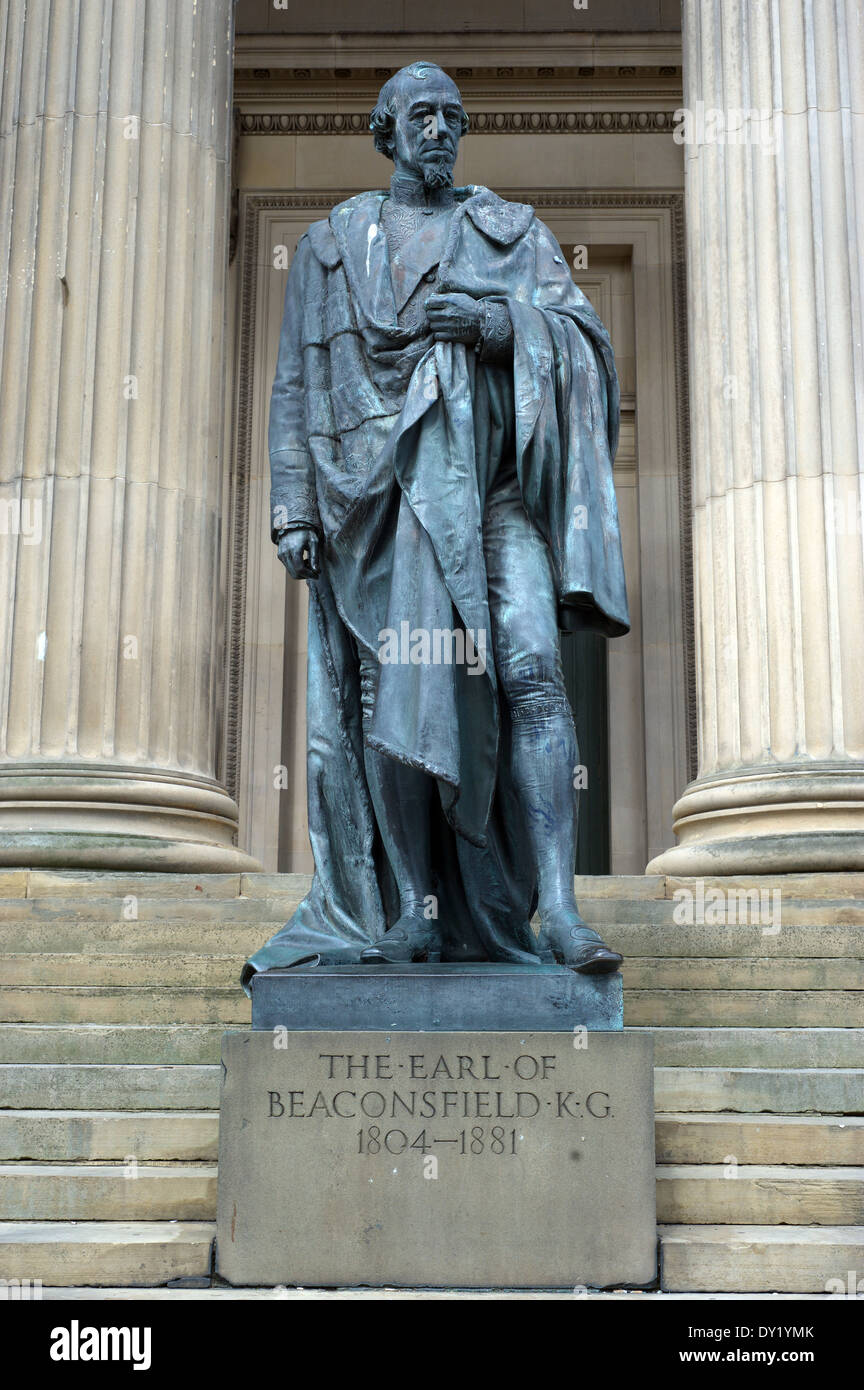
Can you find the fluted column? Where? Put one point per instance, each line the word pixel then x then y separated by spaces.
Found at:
pixel 114 140
pixel 775 234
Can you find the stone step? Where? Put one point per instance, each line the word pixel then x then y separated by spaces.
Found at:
pixel 758 1195
pixel 744 1008
pixel 127 971
pixel 642 1008
pixel 87 883
pixel 764 1047
pixel 819 936
pixel 202 1042
pixel 184 937
pixel 758 1139
pixel 178 1135
pixel 190 1136
pixel 760 1259
pixel 154 1004
pixel 108 1254
pixel 686 1193
pixel 753 1090
pixel 111 1042
pixel 77 883
pixel 830 1091
pixel 82 883
pixel 763 923
pixel 104 968
pixel 223 1293
pixel 104 1192
pixel 179 938
pixel 66 1136
pixel 699 973
pixel 46 1086
pixel 131 912
pixel 830 886
pixel 238 926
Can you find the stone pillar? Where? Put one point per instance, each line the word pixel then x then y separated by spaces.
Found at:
pixel 115 123
pixel 775 232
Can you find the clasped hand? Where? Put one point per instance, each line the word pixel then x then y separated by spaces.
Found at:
pixel 455 318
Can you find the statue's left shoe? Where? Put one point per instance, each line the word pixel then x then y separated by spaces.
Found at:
pixel 574 944
pixel 408 940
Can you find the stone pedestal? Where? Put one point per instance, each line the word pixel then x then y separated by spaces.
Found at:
pixel 432 1155
pixel 436 998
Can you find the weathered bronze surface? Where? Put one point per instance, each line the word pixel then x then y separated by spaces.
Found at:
pixel 437 998
pixel 442 428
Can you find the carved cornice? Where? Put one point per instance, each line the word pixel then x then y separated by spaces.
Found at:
pixel 482 123
pixel 468 51
pixel 326 199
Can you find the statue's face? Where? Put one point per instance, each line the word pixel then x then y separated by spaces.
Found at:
pixel 428 128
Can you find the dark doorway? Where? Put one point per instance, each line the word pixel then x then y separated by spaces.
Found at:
pixel 583 656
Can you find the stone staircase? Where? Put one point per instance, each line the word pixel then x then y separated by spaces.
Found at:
pixel 115 991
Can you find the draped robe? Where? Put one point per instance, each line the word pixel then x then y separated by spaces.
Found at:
pixel 387 444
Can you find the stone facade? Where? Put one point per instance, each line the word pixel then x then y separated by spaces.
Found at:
pixel 152 662
pixel 152 655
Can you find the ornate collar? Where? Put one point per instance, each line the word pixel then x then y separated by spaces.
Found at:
pixel 405 188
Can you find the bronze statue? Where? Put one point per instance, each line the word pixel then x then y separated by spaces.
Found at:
pixel 442 428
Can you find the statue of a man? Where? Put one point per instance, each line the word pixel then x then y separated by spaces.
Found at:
pixel 442 428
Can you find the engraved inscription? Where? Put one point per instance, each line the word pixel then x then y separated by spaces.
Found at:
pixel 382 1087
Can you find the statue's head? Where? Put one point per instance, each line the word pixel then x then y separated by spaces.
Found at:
pixel 419 121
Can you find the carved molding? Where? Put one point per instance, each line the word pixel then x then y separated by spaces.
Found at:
pixel 238 515
pixel 378 55
pixel 685 469
pixel 482 123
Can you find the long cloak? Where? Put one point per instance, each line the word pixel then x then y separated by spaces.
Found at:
pixel 388 443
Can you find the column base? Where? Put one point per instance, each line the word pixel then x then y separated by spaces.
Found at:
pixel 769 820
pixel 131 819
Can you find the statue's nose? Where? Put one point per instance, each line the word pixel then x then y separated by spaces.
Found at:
pixel 440 125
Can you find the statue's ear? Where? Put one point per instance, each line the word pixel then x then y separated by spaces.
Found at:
pixel 323 244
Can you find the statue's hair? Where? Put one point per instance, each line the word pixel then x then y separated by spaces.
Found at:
pixel 383 117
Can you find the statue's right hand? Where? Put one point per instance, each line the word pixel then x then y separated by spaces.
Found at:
pixel 298 551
